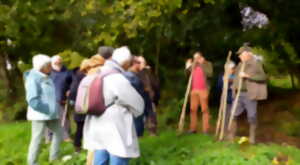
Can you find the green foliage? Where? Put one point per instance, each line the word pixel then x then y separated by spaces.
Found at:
pixel 71 59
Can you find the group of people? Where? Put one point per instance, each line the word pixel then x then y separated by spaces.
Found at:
pixel 132 95
pixel 109 138
pixel 253 88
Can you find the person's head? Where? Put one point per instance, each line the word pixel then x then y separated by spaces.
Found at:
pixel 245 53
pixel 96 61
pixel 42 63
pixel 135 64
pixel 143 62
pixel 231 66
pixel 123 57
pixel 105 51
pixel 84 66
pixel 56 62
pixel 198 57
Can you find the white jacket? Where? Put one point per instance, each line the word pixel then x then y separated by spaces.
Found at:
pixel 114 130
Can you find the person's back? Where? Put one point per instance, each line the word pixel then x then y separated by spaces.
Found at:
pixel 113 132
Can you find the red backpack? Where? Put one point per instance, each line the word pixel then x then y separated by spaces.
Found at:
pixel 90 99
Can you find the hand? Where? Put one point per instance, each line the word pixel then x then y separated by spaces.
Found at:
pixel 244 75
pixel 68 93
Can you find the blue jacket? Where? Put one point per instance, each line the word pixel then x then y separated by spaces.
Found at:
pixel 62 80
pixel 40 96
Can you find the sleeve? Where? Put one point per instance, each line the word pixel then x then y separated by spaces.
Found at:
pixel 129 97
pixel 33 97
pixel 208 69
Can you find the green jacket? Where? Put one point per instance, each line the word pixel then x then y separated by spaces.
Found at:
pixel 256 84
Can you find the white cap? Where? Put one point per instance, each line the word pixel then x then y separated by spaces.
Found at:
pixel 121 55
pixel 40 60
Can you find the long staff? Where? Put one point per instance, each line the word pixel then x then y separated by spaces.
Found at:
pixel 65 113
pixel 183 110
pixel 233 109
pixel 222 108
pixel 225 90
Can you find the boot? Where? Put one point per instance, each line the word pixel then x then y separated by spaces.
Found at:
pixel 252 131
pixel 232 131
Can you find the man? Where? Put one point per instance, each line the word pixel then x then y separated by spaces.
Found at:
pixel 131 75
pixel 112 135
pixel 152 88
pixel 253 89
pixel 201 71
pixel 62 79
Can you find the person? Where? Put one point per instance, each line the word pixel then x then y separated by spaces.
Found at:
pixel 43 110
pixel 229 101
pixel 253 89
pixel 95 63
pixel 201 72
pixel 131 75
pixel 77 75
pixel 112 135
pixel 62 79
pixel 152 88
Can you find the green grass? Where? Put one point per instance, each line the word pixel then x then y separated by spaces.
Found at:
pixel 165 149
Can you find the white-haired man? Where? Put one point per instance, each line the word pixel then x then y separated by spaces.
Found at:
pixel 62 79
pixel 112 135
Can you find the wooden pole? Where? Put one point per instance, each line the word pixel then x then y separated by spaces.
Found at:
pixel 65 113
pixel 233 109
pixel 223 103
pixel 183 110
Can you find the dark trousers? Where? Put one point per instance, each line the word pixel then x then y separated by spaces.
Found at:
pixel 78 133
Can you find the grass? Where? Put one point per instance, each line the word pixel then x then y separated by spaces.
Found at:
pixel 166 149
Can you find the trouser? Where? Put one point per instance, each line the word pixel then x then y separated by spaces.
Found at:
pixel 66 126
pixel 152 120
pixel 139 125
pixel 102 157
pixel 199 98
pixel 37 131
pixel 250 106
pixel 78 133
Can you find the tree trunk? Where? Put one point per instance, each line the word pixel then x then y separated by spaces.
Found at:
pixel 4 74
pixel 157 57
pixel 292 76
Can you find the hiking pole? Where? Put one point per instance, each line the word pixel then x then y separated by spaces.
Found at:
pixel 65 113
pixel 233 109
pixel 183 110
pixel 222 108
pixel 225 90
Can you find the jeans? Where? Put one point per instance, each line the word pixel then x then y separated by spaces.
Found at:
pixel 102 157
pixel 37 132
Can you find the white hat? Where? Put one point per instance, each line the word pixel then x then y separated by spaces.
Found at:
pixel 121 55
pixel 40 60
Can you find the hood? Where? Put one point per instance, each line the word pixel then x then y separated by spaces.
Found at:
pixel 33 74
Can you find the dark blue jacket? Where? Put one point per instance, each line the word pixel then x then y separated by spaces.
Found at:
pixel 62 80
pixel 77 76
pixel 139 87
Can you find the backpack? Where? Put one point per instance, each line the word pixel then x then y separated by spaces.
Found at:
pixel 90 99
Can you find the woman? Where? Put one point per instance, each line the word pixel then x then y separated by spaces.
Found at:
pixel 42 107
pixel 77 75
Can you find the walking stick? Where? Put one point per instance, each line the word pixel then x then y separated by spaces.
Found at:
pixel 183 110
pixel 233 109
pixel 225 90
pixel 65 113
pixel 223 103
